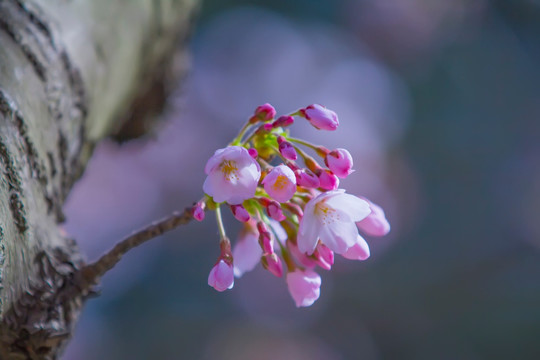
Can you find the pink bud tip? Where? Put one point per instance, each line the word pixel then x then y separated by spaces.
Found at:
pixel 328 180
pixel 221 276
pixel 304 287
pixel 240 213
pixel 324 256
pixel 340 162
pixel 287 150
pixel 359 251
pixel 302 258
pixel 265 112
pixel 198 211
pixel 265 238
pixel 320 117
pixel 283 121
pixel 272 263
pixel 294 208
pixel 275 212
pixel 375 224
pixel 253 153
pixel 307 179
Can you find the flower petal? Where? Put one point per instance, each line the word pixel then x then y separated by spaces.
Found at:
pixel 350 207
pixel 339 236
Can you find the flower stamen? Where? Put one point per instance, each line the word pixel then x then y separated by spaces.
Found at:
pixel 229 170
pixel 325 213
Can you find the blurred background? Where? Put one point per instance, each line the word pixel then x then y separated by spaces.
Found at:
pixel 439 103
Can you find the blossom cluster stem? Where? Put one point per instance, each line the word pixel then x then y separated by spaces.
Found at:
pixel 92 272
pixel 238 139
pixel 302 142
pixel 221 227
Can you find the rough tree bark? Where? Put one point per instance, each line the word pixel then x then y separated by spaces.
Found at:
pixel 69 71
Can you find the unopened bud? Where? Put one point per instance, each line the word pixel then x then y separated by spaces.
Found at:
pixel 274 211
pixel 253 153
pixel 306 178
pixel 283 121
pixel 287 150
pixel 272 263
pixel 240 213
pixel 264 112
pixel 198 211
pixel 265 238
pixel 328 180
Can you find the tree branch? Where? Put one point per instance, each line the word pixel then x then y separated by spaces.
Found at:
pixel 91 273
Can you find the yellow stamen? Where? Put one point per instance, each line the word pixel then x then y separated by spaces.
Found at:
pixel 280 183
pixel 229 170
pixel 325 213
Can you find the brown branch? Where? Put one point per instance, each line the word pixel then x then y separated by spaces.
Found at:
pixel 91 273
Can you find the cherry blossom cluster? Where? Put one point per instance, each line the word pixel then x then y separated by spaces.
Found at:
pixel 295 217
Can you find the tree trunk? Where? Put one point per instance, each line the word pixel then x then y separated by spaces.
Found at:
pixel 69 72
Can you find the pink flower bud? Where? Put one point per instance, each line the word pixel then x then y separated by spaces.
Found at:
pixel 221 276
pixel 320 117
pixel 324 256
pixel 294 208
pixel 267 127
pixel 272 263
pixel 328 180
pixel 265 238
pixel 304 287
pixel 274 211
pixel 340 162
pixel 280 183
pixel 246 252
pixel 375 224
pixel 359 251
pixel 302 258
pixel 240 213
pixel 263 113
pixel 287 150
pixel 283 121
pixel 198 211
pixel 253 153
pixel 307 179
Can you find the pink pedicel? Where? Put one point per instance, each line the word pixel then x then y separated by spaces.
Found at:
pixel 331 217
pixel 233 175
pixel 221 276
pixel 240 213
pixel 280 183
pixel 375 224
pixel 272 263
pixel 340 162
pixel 327 179
pixel 359 251
pixel 320 117
pixel 304 287
pixel 198 211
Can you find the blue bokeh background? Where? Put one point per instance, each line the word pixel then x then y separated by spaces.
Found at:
pixel 439 104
